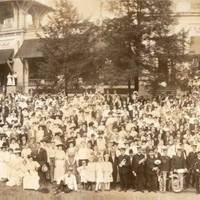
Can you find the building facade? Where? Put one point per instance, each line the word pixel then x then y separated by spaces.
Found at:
pixel 20 25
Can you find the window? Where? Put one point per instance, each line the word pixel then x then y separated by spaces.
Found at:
pixel 6 15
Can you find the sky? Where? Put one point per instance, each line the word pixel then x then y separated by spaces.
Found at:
pixel 87 8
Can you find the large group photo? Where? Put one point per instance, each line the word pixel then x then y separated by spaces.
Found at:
pixel 99 99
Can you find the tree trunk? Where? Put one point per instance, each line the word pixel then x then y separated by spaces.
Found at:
pixel 66 85
pixel 136 83
pixel 129 88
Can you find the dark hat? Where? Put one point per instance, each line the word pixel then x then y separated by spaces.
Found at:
pixel 17 151
pixel 115 143
pixel 30 156
pixel 43 140
pixel 122 147
pixel 130 151
pixel 4 145
pixel 59 144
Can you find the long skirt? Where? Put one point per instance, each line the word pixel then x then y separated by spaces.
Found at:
pixel 15 178
pixel 31 181
pixel 59 170
pixel 3 170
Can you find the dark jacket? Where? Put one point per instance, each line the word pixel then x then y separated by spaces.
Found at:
pixel 165 163
pixel 136 167
pixel 126 168
pixel 178 162
pixel 41 156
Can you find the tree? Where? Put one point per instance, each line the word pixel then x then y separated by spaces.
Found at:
pixel 139 37
pixel 67 45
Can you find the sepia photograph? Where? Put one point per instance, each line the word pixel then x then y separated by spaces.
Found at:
pixel 99 99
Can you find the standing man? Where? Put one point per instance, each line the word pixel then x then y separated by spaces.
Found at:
pixel 138 169
pixel 124 167
pixel 190 161
pixel 164 170
pixel 178 164
pixel 197 172
pixel 151 172
pixel 41 157
pixel 114 160
pixel 131 176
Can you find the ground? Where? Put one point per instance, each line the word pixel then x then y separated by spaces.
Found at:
pixel 17 193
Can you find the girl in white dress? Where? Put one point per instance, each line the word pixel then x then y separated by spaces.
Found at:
pixel 59 163
pixel 31 177
pixel 108 169
pixel 83 173
pixel 99 174
pixel 91 173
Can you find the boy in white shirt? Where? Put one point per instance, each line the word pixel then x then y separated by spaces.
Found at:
pixel 68 183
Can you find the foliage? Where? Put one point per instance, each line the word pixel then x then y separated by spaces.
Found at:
pixel 68 45
pixel 139 36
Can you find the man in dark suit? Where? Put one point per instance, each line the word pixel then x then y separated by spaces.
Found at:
pixel 197 172
pixel 131 175
pixel 190 161
pixel 114 160
pixel 138 169
pixel 124 169
pixel 41 157
pixel 151 172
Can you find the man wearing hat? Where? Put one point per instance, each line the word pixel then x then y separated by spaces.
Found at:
pixel 178 162
pixel 138 169
pixel 114 160
pixel 131 175
pixel 196 169
pixel 190 161
pixel 164 170
pixel 41 157
pixel 124 168
pixel 151 172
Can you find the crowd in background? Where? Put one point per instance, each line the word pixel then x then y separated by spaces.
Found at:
pixel 99 141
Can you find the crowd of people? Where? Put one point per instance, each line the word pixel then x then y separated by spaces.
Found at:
pixel 100 142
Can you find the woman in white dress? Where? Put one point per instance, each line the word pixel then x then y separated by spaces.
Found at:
pixel 16 170
pixel 108 170
pixel 31 177
pixel 60 159
pixel 4 159
pixel 99 174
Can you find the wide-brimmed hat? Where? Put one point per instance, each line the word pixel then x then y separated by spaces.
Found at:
pixel 122 147
pixel 17 151
pixel 59 144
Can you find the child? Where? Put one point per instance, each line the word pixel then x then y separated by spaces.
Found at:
pixel 67 183
pixel 99 174
pixel 83 173
pixel 91 173
pixel 108 170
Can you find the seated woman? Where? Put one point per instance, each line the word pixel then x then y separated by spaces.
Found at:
pixel 31 177
pixel 16 169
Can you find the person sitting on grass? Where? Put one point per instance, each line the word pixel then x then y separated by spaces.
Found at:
pixel 68 183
